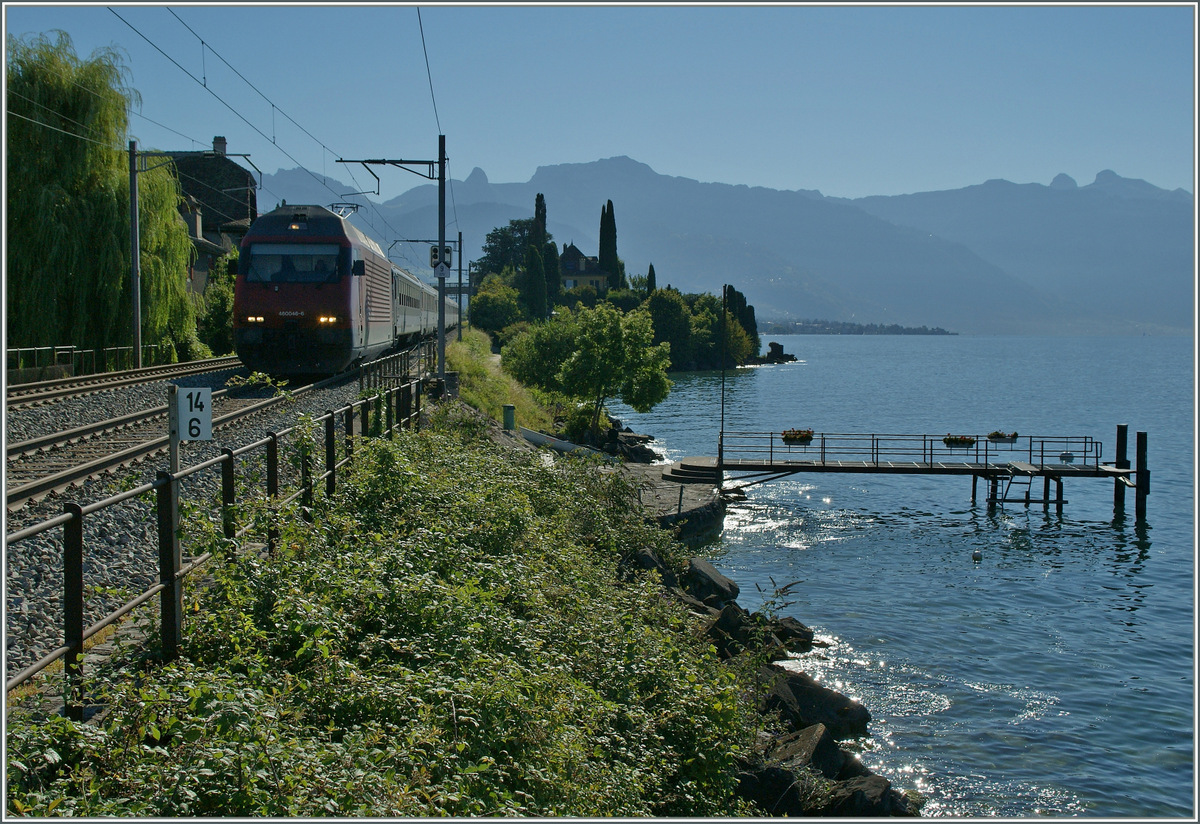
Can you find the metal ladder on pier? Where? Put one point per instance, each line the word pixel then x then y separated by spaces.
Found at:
pixel 1021 474
pixel 1017 479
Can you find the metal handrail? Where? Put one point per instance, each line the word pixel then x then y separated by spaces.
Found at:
pixel 881 447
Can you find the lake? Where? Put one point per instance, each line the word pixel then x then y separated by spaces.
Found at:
pixel 1054 677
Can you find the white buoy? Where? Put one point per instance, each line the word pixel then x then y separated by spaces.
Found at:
pixel 977 556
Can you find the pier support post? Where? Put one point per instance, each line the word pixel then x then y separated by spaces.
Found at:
pixel 993 491
pixel 1122 462
pixel 1058 494
pixel 1142 476
pixel 1046 491
pixel 974 484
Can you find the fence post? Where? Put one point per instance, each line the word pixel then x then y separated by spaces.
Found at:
pixel 405 403
pixel 272 490
pixel 416 405
pixel 1121 461
pixel 306 484
pixel 1142 478
pixel 389 398
pixel 227 493
pixel 348 419
pixel 330 454
pixel 73 610
pixel 365 411
pixel 171 598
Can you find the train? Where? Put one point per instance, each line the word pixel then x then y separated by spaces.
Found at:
pixel 314 296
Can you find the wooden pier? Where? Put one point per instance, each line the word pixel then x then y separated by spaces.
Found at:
pixel 1010 466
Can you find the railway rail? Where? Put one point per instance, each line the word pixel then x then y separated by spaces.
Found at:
pixel 61 460
pixel 28 394
pixel 119 533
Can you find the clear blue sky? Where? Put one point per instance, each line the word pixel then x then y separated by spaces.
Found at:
pixel 850 100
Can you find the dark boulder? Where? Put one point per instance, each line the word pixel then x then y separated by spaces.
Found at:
pixel 802 702
pixel 703 581
pixel 866 796
pixel 813 747
pixel 646 559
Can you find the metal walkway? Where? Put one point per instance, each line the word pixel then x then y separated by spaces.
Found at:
pixel 1009 465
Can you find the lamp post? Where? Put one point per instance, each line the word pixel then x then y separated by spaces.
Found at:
pixel 721 434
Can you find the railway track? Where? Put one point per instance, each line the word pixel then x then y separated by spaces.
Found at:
pixel 29 394
pixel 53 463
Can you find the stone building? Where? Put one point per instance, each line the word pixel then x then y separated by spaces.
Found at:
pixel 576 269
pixel 220 203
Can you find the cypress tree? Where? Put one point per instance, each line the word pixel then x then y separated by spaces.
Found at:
pixel 537 234
pixel 607 256
pixel 553 275
pixel 744 313
pixel 534 283
pixel 651 284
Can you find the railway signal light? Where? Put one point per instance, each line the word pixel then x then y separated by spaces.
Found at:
pixel 434 259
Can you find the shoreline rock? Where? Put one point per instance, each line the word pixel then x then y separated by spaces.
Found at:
pixel 803 771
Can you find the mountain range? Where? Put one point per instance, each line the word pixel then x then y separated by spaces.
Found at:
pixel 1116 256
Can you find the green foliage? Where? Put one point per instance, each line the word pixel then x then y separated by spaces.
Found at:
pixel 67 204
pixel 592 355
pixel 533 284
pixel 651 280
pixel 743 312
pixel 625 300
pixel 584 294
pixel 505 246
pixel 673 323
pixel 607 260
pixel 447 637
pixel 495 305
pixel 214 325
pixel 614 356
pixel 536 356
pixel 554 288
pixel 484 386
pixel 538 235
pixel 691 324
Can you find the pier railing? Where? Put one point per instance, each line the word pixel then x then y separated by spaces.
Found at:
pixel 880 448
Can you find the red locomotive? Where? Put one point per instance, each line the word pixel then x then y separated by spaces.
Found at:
pixel 315 295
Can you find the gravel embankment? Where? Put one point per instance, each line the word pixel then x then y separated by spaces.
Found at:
pixel 120 542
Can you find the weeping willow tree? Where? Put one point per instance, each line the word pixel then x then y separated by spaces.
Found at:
pixel 68 262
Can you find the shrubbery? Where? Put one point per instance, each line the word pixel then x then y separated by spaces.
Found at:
pixel 448 636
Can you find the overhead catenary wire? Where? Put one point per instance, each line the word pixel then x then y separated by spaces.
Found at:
pixel 64 131
pixel 239 115
pixel 276 108
pixel 130 111
pixel 428 73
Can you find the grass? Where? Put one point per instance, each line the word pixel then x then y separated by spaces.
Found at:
pixel 484 385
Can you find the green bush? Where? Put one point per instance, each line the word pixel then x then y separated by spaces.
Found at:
pixel 448 636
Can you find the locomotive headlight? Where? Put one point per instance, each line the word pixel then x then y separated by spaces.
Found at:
pixel 254 319
pixel 327 319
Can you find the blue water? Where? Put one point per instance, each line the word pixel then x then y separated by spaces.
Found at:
pixel 1055 677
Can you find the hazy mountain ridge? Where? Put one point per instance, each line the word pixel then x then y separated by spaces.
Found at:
pixel 1115 255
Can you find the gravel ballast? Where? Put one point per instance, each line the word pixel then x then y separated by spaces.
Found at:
pixel 120 542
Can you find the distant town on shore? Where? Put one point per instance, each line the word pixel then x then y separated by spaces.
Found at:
pixel 837 327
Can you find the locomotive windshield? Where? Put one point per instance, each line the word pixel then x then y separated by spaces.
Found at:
pixel 292 263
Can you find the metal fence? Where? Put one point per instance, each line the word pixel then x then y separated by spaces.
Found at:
pixel 67 361
pixel 379 415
